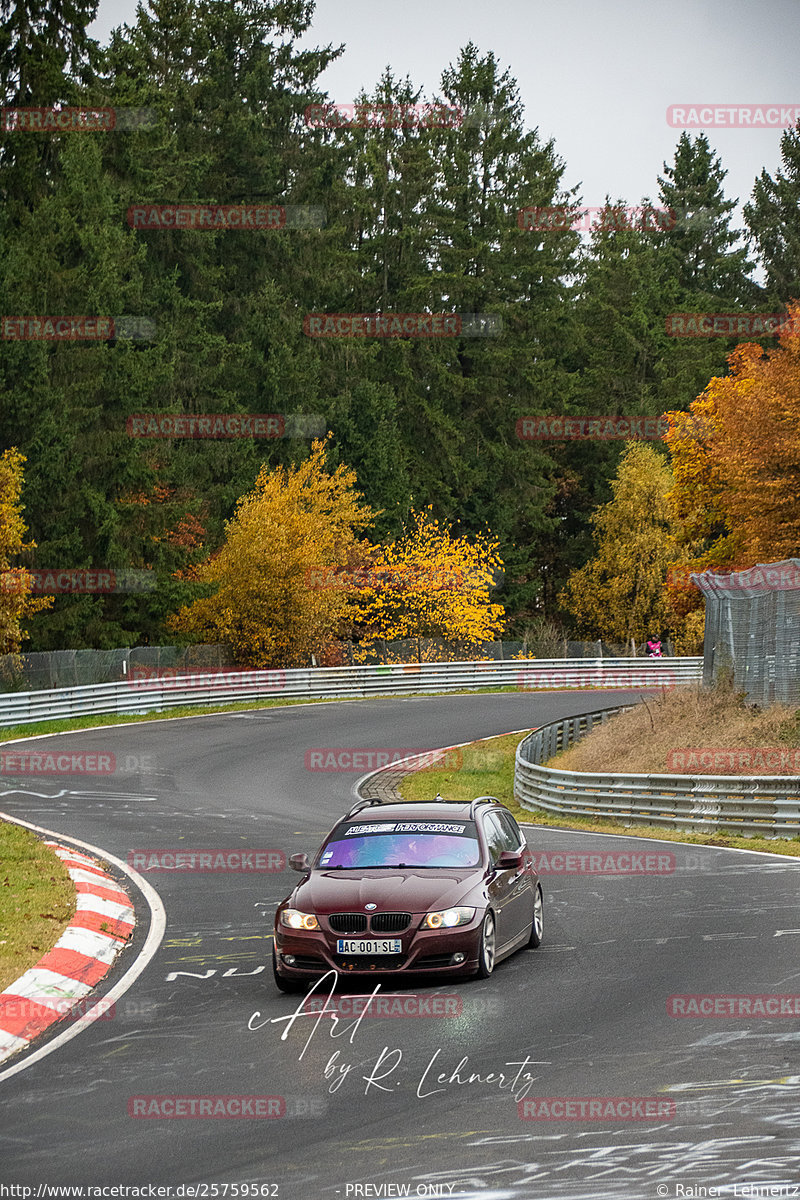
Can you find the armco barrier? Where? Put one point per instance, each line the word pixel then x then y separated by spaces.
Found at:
pixel 155 693
pixel 767 805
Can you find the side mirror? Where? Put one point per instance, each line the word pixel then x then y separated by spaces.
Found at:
pixel 299 862
pixel 509 860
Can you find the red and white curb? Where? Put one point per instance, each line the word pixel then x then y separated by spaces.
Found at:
pixel 82 956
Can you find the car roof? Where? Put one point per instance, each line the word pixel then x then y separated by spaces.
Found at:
pixel 422 810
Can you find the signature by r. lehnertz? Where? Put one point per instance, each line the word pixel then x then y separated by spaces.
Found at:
pixel 430 1082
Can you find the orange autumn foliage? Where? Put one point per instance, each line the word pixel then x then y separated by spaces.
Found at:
pixel 736 464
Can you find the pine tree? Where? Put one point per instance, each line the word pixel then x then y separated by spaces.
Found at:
pixel 709 264
pixel 773 218
pixel 477 468
pixel 47 58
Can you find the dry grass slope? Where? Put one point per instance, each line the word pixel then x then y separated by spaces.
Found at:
pixel 639 741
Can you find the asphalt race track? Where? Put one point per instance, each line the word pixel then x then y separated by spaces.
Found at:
pixel 584 1016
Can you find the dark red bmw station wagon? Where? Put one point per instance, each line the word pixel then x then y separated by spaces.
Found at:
pixel 440 887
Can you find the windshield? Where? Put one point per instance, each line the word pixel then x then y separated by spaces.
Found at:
pixel 426 844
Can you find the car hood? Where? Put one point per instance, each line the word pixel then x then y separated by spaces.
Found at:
pixel 401 890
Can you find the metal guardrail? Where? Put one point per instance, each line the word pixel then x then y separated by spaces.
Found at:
pixel 768 805
pixel 157 691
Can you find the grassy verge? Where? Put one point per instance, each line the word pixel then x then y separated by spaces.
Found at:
pixel 487 769
pixel 37 901
pixel 70 724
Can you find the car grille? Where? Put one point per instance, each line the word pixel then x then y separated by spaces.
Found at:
pixel 384 962
pixel 348 922
pixel 390 922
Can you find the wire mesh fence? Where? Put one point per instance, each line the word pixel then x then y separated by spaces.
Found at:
pixel 752 630
pixel 438 650
pixel 74 668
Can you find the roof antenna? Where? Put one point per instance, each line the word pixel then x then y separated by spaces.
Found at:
pixel 438 797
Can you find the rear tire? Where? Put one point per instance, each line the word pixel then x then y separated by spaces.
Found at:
pixel 537 927
pixel 487 949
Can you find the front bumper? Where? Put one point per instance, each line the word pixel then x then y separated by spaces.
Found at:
pixel 311 953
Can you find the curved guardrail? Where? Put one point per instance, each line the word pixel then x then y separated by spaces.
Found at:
pixel 768 805
pixel 154 691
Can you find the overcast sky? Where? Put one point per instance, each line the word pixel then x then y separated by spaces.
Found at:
pixel 595 75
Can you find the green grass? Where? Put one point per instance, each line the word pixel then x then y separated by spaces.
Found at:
pixel 487 769
pixel 68 724
pixel 37 901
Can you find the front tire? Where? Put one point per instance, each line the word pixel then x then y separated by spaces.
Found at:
pixel 488 947
pixel 537 927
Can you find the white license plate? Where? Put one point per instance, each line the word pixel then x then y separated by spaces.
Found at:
pixel 369 946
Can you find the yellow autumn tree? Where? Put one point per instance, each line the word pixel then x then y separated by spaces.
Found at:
pixel 703 536
pixel 276 601
pixel 16 603
pixel 619 594
pixel 430 583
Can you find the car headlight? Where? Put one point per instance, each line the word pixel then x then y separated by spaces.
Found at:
pixel 298 920
pixel 447 918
